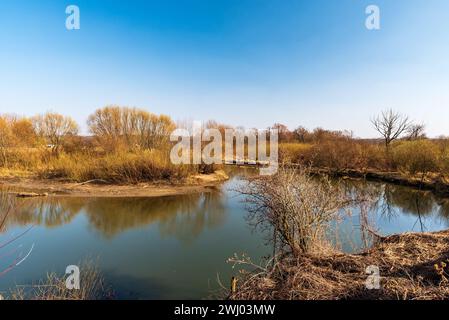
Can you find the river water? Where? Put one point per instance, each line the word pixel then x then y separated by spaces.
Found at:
pixel 176 247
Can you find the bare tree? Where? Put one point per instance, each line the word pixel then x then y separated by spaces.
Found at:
pixel 295 207
pixel 416 131
pixel 55 128
pixel 391 125
pixel 283 132
pixel 301 134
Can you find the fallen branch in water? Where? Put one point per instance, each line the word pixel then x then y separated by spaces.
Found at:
pixel 8 205
pixel 92 181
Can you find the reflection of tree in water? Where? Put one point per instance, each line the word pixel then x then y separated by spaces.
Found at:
pixel 186 214
pixel 48 212
pixel 392 200
pixel 443 211
pixel 411 201
pixel 366 197
pixel 208 212
pixel 415 202
pixel 182 216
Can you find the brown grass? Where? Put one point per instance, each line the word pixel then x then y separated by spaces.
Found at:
pixel 92 287
pixel 406 262
pixel 130 167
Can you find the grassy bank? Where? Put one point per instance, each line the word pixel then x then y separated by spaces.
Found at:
pixel 421 163
pixel 127 167
pixel 298 211
pixel 125 146
pixel 411 266
pixel 436 183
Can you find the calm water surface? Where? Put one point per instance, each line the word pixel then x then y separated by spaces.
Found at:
pixel 174 247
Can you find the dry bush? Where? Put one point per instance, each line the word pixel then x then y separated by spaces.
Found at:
pixel 116 127
pixel 6 137
pixel 375 156
pixel 295 153
pixel 407 264
pixel 92 287
pixel 25 158
pixel 54 128
pixel 443 145
pixel 142 166
pixel 294 206
pixel 23 131
pixel 338 154
pixel 419 156
pixel 345 153
pixel 336 151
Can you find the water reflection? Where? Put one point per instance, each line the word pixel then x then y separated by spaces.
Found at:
pixel 393 201
pixel 141 242
pixel 183 217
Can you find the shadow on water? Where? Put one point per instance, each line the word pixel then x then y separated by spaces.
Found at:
pixel 182 216
pixel 393 209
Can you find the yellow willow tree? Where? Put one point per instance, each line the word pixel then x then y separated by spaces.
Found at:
pixel 6 140
pixel 23 131
pixel 55 128
pixel 131 128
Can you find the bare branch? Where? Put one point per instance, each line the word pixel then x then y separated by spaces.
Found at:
pixel 391 125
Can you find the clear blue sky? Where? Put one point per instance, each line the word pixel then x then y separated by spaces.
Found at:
pixel 242 62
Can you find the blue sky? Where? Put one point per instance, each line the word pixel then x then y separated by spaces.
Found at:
pixel 242 62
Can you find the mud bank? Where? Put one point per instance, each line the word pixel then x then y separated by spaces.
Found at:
pixel 96 188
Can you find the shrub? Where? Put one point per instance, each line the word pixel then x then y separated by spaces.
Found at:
pixel 92 287
pixel 420 156
pixel 297 207
pixel 294 152
pixel 130 167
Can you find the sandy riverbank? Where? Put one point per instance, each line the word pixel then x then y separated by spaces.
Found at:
pixel 194 184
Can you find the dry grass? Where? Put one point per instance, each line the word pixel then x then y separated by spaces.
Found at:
pixel 407 269
pixel 343 153
pixel 92 287
pixel 294 152
pixel 296 209
pixel 130 167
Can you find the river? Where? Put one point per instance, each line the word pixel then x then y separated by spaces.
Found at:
pixel 176 247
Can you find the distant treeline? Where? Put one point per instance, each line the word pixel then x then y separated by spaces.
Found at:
pixel 402 146
pixel 132 145
pixel 127 145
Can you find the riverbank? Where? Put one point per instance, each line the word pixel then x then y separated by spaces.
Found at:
pixel 411 266
pixel 97 188
pixel 432 182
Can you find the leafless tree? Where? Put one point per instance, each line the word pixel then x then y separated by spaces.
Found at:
pixel 55 128
pixel 301 134
pixel 416 131
pixel 391 125
pixel 294 207
pixel 283 131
